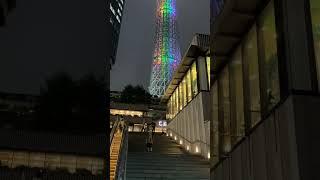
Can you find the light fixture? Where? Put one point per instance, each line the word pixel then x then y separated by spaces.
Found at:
pixel 197 149
pixel 180 141
pixel 188 148
pixel 208 155
pixel 171 134
pixel 175 137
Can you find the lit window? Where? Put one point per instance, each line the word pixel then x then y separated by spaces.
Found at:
pixel 120 6
pixel 184 91
pixel 194 79
pixel 119 12
pixel 111 20
pixel 118 18
pixel 189 86
pixel 112 9
pixel 208 70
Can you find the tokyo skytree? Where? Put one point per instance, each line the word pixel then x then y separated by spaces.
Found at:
pixel 166 55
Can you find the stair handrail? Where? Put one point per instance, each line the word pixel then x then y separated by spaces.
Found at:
pixel 122 160
pixel 198 140
pixel 194 142
pixel 114 128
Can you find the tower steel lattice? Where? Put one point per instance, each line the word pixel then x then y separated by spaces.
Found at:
pixel 166 56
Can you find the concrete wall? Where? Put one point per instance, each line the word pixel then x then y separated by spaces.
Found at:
pixel 269 153
pixel 192 123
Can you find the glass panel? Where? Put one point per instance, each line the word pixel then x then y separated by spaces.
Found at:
pixel 225 110
pixel 174 103
pixel 177 100
pixel 6 158
pixel 37 159
pixel 250 60
pixel 180 97
pixel 194 79
pixel 184 90
pixel 268 57
pixel 208 70
pixel 236 91
pixel 189 86
pixel 171 107
pixel 315 15
pixel 52 161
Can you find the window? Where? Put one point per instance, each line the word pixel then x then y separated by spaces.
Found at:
pixel 112 10
pixel 268 58
pixel 194 79
pixel 208 70
pixel 119 12
pixel 177 100
pixel 180 97
pixel 189 86
pixel 315 15
pixel 171 108
pixel 118 19
pixel 251 78
pixel 184 90
pixel 173 98
pixel 224 106
pixel 236 94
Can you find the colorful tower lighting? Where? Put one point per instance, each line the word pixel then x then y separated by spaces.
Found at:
pixel 166 56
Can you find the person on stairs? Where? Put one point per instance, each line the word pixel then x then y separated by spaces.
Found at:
pixel 149 139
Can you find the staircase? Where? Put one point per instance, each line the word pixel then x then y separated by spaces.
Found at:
pixel 114 153
pixel 167 161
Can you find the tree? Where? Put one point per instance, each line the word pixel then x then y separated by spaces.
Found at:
pixel 56 102
pixel 135 95
pixel 73 106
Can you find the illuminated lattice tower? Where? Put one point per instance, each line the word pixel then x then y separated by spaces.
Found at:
pixel 166 56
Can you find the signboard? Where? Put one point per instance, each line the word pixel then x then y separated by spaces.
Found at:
pixel 163 123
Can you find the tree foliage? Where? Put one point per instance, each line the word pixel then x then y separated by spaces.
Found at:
pixel 67 105
pixel 135 95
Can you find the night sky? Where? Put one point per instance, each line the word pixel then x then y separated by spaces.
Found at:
pixel 47 36
pixel 134 58
pixel 43 37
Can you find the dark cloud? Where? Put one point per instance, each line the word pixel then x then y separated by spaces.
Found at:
pixel 133 65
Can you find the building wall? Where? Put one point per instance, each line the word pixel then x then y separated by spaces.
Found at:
pixel 278 55
pixel 274 150
pixel 52 161
pixel 191 125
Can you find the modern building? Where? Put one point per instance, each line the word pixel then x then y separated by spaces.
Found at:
pixel 115 14
pixel 188 98
pixel 265 99
pixel 138 114
pixel 51 156
pixel 6 6
pixel 166 55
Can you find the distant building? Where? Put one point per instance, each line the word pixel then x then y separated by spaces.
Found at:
pixel 137 114
pixel 51 156
pixel 17 110
pixel 115 13
pixel 6 6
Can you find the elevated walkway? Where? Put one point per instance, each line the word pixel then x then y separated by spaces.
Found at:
pixel 167 161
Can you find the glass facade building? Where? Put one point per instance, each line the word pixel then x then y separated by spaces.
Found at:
pixel 265 89
pixel 187 89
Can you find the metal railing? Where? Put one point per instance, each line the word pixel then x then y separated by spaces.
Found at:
pixel 114 128
pixel 196 147
pixel 122 161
